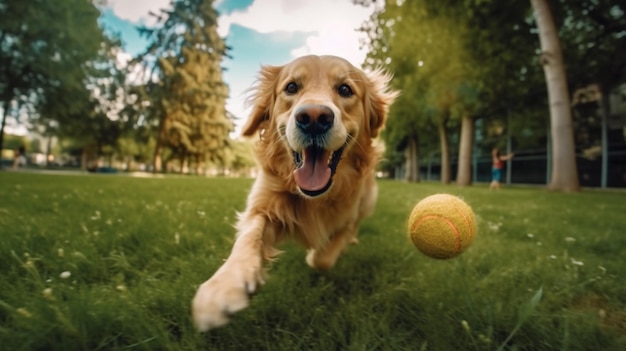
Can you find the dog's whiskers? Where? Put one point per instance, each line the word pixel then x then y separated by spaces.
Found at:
pixel 356 141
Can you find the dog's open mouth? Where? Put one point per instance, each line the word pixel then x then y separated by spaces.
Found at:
pixel 315 168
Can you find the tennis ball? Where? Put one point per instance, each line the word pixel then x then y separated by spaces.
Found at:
pixel 442 226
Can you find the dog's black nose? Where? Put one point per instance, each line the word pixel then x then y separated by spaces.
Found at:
pixel 314 119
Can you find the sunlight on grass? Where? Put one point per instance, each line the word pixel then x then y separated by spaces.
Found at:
pixel 112 262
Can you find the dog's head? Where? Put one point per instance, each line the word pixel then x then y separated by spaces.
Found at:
pixel 315 110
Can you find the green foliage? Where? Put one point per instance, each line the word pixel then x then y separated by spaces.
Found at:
pixel 187 102
pixel 429 66
pixel 134 263
pixel 141 150
pixel 593 39
pixel 240 155
pixel 13 142
pixel 459 60
pixel 102 119
pixel 45 48
pixel 481 58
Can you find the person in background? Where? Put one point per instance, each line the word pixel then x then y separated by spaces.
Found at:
pixel 497 163
pixel 18 156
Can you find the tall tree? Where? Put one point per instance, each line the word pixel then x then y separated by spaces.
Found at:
pixel 44 47
pixel 564 169
pixel 187 99
pixel 432 56
pixel 497 75
pixel 99 117
pixel 409 129
pixel 472 60
pixel 592 33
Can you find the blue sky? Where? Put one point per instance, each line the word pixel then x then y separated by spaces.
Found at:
pixel 226 7
pixel 260 32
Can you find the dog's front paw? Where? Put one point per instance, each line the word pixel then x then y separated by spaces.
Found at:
pixel 227 292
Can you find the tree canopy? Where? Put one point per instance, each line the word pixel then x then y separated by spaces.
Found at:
pixel 44 62
pixel 453 62
pixel 186 94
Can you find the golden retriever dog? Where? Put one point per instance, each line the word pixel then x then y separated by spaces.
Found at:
pixel 317 118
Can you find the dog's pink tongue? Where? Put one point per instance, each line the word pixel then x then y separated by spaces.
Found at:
pixel 314 174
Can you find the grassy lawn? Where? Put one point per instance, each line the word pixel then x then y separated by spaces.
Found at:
pixel 112 262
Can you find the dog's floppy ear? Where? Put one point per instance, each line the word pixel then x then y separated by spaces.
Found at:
pixel 380 97
pixel 261 98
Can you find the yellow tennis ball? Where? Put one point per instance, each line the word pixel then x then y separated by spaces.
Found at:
pixel 442 226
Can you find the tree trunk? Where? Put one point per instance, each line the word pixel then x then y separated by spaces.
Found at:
pixel 199 164
pixel 183 162
pixel 5 115
pixel 129 163
pixel 48 150
pixel 411 161
pixel 83 159
pixel 464 172
pixel 445 150
pixel 157 161
pixel 605 111
pixel 564 169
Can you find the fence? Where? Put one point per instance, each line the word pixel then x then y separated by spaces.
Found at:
pixel 532 167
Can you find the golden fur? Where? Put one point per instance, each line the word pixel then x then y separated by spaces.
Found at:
pixel 278 208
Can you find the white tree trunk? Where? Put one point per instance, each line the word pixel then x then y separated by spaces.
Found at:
pixel 445 150
pixel 464 172
pixel 564 170
pixel 157 161
pixel 411 161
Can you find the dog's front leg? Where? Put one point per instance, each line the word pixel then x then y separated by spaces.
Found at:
pixel 229 289
pixel 325 258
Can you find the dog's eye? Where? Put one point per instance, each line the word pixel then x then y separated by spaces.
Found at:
pixel 291 88
pixel 345 90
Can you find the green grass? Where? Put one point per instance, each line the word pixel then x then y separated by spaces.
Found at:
pixel 546 271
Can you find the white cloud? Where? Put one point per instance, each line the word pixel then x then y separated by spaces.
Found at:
pixel 139 72
pixel 137 11
pixel 267 16
pixel 123 58
pixel 330 41
pixel 332 22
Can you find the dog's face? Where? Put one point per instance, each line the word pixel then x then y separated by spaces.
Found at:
pixel 317 108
